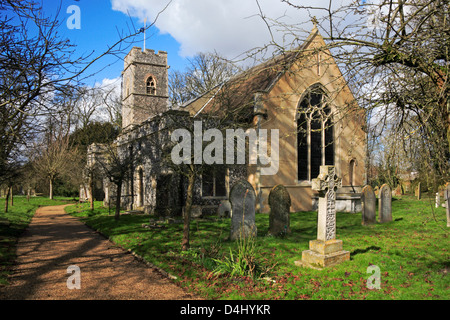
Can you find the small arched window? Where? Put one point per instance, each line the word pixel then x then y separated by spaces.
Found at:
pixel 151 86
pixel 351 172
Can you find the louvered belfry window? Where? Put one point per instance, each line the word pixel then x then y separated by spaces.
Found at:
pixel 151 86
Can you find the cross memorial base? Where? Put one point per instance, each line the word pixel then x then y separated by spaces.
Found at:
pixel 323 254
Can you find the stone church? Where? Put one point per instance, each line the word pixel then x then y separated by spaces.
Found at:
pixel 301 93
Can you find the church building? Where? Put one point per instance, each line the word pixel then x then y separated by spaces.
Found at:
pixel 301 94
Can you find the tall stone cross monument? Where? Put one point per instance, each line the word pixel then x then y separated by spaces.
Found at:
pixel 326 250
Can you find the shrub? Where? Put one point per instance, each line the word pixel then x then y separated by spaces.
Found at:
pixel 243 263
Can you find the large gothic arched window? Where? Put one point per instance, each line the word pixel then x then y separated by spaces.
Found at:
pixel 314 134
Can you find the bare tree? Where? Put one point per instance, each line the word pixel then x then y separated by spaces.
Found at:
pixel 13 176
pixel 112 104
pixel 204 72
pixel 35 63
pixel 117 166
pixel 230 106
pixel 55 159
pixel 87 104
pixel 394 55
pixel 28 179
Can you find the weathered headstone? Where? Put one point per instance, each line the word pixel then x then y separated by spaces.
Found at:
pixel 418 192
pixel 368 201
pixel 242 199
pixel 280 204
pixel 224 209
pixel 438 200
pixel 385 204
pixel 326 250
pixel 447 203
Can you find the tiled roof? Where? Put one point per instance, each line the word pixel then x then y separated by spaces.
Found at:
pixel 235 98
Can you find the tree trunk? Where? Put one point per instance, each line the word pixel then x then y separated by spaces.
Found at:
pixel 187 212
pixel 28 194
pixel 12 196
pixel 51 189
pixel 91 190
pixel 85 191
pixel 7 199
pixel 119 195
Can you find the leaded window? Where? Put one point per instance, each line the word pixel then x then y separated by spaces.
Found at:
pixel 314 134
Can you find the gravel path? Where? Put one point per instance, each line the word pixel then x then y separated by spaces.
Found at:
pixel 55 240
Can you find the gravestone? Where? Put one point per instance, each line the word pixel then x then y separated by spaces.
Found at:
pixel 368 201
pixel 326 250
pixel 224 209
pixel 418 192
pixel 242 199
pixel 385 204
pixel 280 204
pixel 438 200
pixel 447 203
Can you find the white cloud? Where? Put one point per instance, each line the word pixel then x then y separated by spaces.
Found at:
pixel 99 99
pixel 229 27
pixel 110 85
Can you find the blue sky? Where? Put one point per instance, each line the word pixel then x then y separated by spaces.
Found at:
pixel 186 27
pixel 100 27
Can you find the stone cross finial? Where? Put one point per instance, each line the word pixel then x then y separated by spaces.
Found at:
pixel 327 184
pixel 327 180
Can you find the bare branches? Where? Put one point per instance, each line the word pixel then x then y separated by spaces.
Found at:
pixel 394 55
pixel 55 159
pixel 204 72
pixel 36 64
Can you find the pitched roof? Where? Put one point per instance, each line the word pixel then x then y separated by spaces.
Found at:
pixel 236 96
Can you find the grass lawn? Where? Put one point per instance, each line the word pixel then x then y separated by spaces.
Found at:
pixel 14 222
pixel 411 253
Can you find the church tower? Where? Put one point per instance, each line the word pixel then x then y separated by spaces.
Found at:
pixel 144 85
